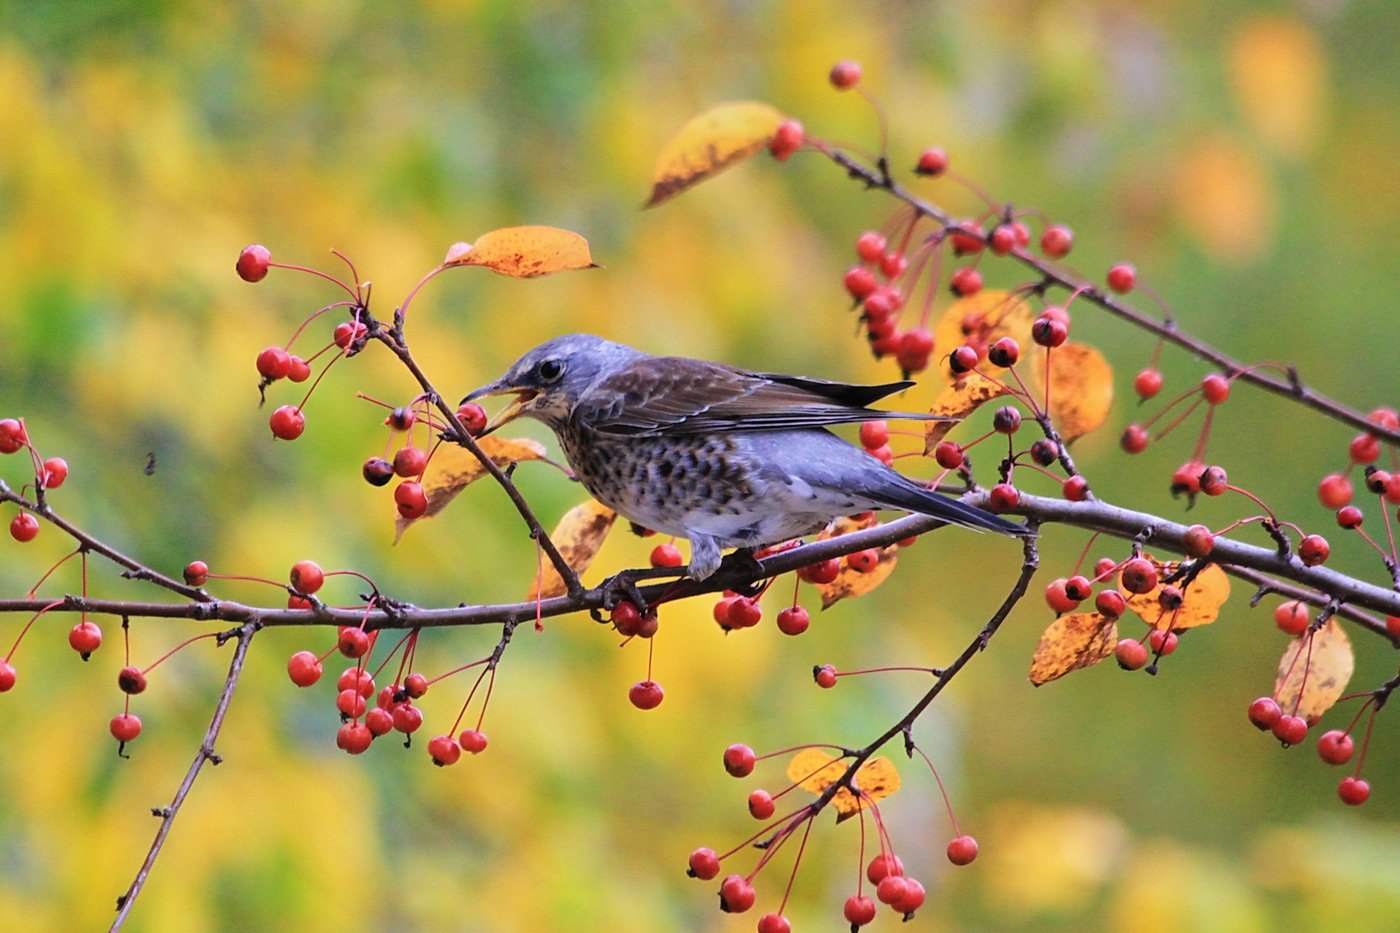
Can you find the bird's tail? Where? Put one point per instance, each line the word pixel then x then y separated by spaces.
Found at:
pixel 913 498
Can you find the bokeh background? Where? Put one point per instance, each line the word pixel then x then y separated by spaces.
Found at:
pixel 1241 154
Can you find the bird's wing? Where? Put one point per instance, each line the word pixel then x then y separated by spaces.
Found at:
pixel 674 396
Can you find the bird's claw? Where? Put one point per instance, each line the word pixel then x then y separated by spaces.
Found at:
pixel 744 565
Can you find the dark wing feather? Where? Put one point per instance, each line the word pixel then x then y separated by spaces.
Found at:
pixel 675 396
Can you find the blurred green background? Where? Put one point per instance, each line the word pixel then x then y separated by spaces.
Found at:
pixel 1241 154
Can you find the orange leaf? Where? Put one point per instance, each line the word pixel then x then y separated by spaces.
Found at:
pixel 454 468
pixel 814 771
pixel 710 143
pixel 1071 642
pixel 1200 604
pixel 958 400
pixel 523 252
pixel 1314 671
pixel 578 536
pixel 851 582
pixel 979 320
pixel 1081 387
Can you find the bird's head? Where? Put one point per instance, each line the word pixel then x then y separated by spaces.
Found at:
pixel 548 381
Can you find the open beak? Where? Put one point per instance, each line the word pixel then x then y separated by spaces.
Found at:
pixel 513 410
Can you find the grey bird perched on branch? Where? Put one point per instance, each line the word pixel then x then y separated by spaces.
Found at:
pixel 718 455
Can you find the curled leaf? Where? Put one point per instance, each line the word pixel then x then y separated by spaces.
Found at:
pixel 454 468
pixel 1314 671
pixel 578 536
pixel 1072 642
pixel 1200 603
pixel 958 400
pixel 851 582
pixel 814 771
pixel 710 143
pixel 1081 387
pixel 523 252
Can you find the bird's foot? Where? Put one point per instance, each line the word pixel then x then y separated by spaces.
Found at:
pixel 743 564
pixel 622 586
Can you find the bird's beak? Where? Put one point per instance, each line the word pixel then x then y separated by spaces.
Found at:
pixel 513 410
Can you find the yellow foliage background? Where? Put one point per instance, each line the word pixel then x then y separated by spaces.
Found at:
pixel 1243 158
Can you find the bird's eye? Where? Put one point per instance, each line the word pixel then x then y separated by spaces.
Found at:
pixel 550 370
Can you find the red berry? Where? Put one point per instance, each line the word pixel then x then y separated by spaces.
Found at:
pixel 1335 747
pixel 352 642
pixel 350 704
pixel 415 685
pixel 1002 239
pixel 1353 791
pixel 85 638
pixel 859 910
pixel 1148 383
pixel 410 461
pixel 24 527
pixel 933 161
pixel 1314 550
pixel 967 238
pixel 1003 498
pixel 891 888
pixel 1290 730
pixel 473 418
pixel 666 555
pixel 1214 481
pixel 298 370
pixel 1264 712
pixel 473 740
pixel 874 434
pixel 410 499
pixel 845 75
pixel 12 436
pixel 401 419
pixel 353 737
pixel 131 680
pixel 646 694
pixel 1170 598
pixel 346 333
pixel 1006 419
pixel 444 750
pixel 1131 654
pixel 377 471
pixel 1078 588
pixel 196 573
pixel 307 576
pixel 1215 388
pixel 274 363
pixel 626 618
pixel 912 899
pixel 949 455
pixel 1392 626
pixel 721 612
pixel 7 676
pixel 53 473
pixel 736 894
pixel 1186 479
pixel 357 679
pixel 1387 418
pixel 963 359
pixel 703 864
pixel 1334 491
pixel 1058 599
pixel 744 612
pixel 870 246
pixel 915 348
pixel 253 263
pixel 883 865
pixel 892 266
pixel 1198 541
pixel 1004 352
pixel 794 620
pixel 962 850
pixel 1139 575
pixel 860 282
pixel 825 676
pixel 786 139
pixel 1134 439
pixel 407 718
pixel 1162 641
pixel 1122 278
pixel 761 805
pixel 739 760
pixel 1048 332
pixel 287 423
pixel 1104 566
pixel 965 282
pixel 1110 603
pixel 1364 448
pixel 125 726
pixel 1292 617
pixel 379 722
pixel 304 668
pixel 298 602
pixel 864 561
pixel 1056 241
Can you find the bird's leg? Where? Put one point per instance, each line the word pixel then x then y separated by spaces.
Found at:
pixel 742 563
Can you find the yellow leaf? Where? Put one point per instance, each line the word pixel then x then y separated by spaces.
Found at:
pixel 524 252
pixel 1225 198
pixel 958 400
pixel 814 771
pixel 578 536
pixel 1071 642
pixel 1081 387
pixel 1278 71
pixel 979 320
pixel 1200 603
pixel 851 582
pixel 1314 671
pixel 454 468
pixel 710 143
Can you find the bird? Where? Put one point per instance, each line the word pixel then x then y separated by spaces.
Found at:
pixel 722 456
